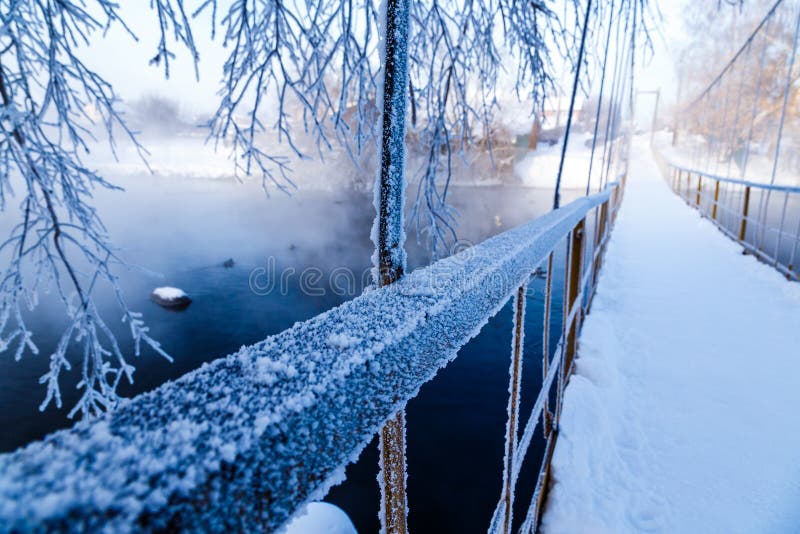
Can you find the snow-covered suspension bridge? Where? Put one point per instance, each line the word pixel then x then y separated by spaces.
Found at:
pixel 680 416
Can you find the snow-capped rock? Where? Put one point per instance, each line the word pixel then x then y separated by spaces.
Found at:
pixel 170 297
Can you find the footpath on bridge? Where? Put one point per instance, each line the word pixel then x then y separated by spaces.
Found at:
pixel 684 411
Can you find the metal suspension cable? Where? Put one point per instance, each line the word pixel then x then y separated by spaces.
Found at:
pixel 615 113
pixel 633 59
pixel 600 99
pixel 755 105
pixel 613 108
pixel 557 194
pixel 723 119
pixel 787 90
pixel 733 138
pixel 715 107
pixel 737 54
pixel 623 87
pixel 611 104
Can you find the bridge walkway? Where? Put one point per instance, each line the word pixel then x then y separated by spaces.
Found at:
pixel 684 411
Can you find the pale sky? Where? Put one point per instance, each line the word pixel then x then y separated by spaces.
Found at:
pixel 124 62
pixel 660 72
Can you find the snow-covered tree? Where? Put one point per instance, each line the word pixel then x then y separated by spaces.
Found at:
pixel 50 99
pixel 742 104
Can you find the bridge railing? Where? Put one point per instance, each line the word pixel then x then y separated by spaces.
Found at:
pixel 244 442
pixel 763 218
pixel 733 142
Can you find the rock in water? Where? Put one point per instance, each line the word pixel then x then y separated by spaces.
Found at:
pixel 228 264
pixel 170 297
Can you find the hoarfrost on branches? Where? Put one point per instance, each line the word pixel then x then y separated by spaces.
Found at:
pixel 51 100
pixel 320 63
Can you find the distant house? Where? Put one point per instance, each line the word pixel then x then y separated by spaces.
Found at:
pixel 549 127
pixel 556 110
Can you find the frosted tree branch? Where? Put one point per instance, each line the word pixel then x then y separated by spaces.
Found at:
pixel 51 100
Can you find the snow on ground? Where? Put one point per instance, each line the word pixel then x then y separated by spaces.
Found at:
pixel 539 168
pixel 191 156
pixel 682 414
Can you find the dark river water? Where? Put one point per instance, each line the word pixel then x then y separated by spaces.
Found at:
pixel 178 232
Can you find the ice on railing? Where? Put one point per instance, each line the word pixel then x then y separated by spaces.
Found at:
pixel 245 441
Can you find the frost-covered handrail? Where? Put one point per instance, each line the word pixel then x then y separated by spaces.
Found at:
pixel 728 180
pixel 244 441
pixel 763 218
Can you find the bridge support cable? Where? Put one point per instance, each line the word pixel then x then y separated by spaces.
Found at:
pixel 776 158
pixel 611 106
pixel 618 90
pixel 575 85
pixel 390 237
pixel 733 131
pixel 756 96
pixel 613 148
pixel 600 96
pixel 515 380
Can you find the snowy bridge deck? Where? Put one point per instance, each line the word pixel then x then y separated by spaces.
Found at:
pixel 682 414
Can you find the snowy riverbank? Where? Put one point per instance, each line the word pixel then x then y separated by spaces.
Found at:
pixel 191 156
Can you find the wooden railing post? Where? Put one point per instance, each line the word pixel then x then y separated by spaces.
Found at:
pixel 699 189
pixel 613 203
pixel 716 201
pixel 685 187
pixel 571 292
pixel 678 186
pixel 745 211
pixel 688 186
pixel 599 242
pixel 575 262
